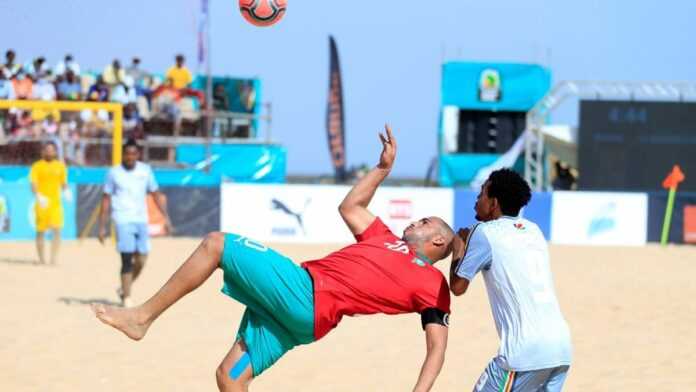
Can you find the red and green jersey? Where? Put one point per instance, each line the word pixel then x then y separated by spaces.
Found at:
pixel 378 274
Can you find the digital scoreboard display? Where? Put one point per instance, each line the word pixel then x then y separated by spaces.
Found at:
pixel 632 145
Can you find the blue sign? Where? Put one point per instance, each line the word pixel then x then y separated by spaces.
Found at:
pixel 494 86
pixel 17 219
pixel 538 210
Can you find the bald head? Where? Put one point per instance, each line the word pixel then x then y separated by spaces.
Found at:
pixel 431 236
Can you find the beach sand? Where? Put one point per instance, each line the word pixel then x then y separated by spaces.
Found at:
pixel 631 312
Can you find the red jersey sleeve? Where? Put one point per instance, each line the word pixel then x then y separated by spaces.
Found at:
pixel 376 228
pixel 435 295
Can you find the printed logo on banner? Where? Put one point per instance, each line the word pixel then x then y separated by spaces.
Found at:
pixel 4 215
pixel 400 209
pixel 295 215
pixel 599 218
pixel 307 213
pixel 603 221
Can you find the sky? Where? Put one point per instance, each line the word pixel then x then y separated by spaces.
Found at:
pixel 391 52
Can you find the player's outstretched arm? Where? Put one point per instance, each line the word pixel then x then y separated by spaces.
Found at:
pixel 436 341
pixel 353 209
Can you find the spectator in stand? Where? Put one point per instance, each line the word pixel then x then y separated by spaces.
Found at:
pixel 113 73
pixel 49 128
pixel 95 123
pixel 37 69
pixel 67 64
pixel 179 74
pixel 6 88
pixel 247 95
pixel 43 89
pixel 132 123
pixel 135 72
pixel 23 125
pixel 166 99
pixel 565 180
pixel 10 68
pixel 69 88
pixel 181 79
pixel 124 93
pixel 221 101
pixel 23 85
pixel 141 80
pixel 99 91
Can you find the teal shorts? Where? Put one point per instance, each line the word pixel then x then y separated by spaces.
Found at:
pixel 279 297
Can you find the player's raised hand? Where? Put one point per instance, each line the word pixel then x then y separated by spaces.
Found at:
pixel 459 243
pixel 463 233
pixel 386 159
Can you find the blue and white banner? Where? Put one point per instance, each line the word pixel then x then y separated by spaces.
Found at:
pixel 599 218
pixel 17 218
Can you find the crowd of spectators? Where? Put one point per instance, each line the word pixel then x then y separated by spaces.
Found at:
pixel 142 94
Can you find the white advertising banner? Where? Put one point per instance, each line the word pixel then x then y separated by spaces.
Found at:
pixel 599 218
pixel 309 213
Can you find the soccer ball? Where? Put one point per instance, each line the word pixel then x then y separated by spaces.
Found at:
pixel 262 12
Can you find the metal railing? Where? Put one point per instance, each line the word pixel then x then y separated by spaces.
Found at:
pixel 534 172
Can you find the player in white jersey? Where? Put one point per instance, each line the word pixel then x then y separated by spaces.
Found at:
pixel 512 255
pixel 125 192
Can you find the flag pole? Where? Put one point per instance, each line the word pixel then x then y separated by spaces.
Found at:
pixel 672 183
pixel 668 215
pixel 208 86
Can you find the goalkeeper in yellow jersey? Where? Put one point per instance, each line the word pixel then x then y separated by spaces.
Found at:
pixel 48 177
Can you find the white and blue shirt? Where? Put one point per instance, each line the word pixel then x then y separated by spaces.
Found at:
pixel 513 257
pixel 128 190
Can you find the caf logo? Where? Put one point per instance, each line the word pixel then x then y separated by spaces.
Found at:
pixel 490 86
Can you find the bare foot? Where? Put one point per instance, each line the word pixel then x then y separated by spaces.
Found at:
pixel 123 319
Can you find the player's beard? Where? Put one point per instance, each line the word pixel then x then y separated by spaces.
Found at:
pixel 415 238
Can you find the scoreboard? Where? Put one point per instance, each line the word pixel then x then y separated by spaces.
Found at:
pixel 632 145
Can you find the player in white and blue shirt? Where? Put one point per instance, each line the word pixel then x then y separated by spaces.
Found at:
pixel 125 191
pixel 512 255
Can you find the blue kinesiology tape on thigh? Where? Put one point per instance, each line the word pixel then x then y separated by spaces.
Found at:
pixel 240 366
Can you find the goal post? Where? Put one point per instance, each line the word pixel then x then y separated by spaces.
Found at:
pixel 115 109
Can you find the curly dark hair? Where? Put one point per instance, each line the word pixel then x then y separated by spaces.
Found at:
pixel 510 189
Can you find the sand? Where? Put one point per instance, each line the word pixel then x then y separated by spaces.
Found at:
pixel 631 311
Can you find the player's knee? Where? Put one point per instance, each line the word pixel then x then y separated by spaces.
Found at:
pixel 126 263
pixel 220 375
pixel 226 383
pixel 214 243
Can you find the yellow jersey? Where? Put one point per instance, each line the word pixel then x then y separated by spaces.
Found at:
pixel 49 178
pixel 181 77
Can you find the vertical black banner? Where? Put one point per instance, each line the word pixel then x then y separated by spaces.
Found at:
pixel 335 121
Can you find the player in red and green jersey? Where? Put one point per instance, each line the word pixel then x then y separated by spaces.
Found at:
pixel 288 305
